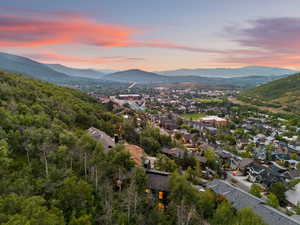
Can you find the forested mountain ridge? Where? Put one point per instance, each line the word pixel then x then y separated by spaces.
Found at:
pixel 42 150
pixel 283 94
pixel 19 64
pixel 247 71
pixel 87 73
pixel 27 66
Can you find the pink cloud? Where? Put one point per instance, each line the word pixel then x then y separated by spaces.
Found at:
pixel 34 29
pixel 32 32
pixel 274 41
pixel 270 41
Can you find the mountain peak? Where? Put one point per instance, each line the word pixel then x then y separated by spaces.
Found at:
pixel 135 70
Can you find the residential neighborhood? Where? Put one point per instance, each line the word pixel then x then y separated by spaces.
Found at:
pixel 224 144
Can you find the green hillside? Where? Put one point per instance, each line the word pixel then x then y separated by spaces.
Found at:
pixel 46 158
pixel 282 94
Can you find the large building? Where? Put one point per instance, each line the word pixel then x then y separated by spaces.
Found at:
pixel 130 97
pixel 215 120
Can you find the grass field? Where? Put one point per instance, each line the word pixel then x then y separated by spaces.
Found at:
pixel 208 100
pixel 193 116
pixel 270 109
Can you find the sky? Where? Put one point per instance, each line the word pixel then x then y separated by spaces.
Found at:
pixel 153 35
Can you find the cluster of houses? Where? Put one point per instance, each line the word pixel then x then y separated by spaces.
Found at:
pixel 176 99
pixel 268 162
pixel 157 181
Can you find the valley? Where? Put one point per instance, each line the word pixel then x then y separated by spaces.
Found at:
pixel 149 112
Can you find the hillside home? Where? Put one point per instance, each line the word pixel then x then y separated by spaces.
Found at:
pixel 137 154
pixel 158 187
pixel 106 141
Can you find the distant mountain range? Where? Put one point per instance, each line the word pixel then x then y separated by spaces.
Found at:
pixel 281 94
pixel 230 72
pixel 144 77
pixel 60 74
pixel 135 75
pixel 87 73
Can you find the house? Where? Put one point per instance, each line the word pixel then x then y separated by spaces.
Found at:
pixel 137 154
pixel 106 141
pixel 224 155
pixel 200 158
pixel 247 126
pixel 158 180
pixel 179 153
pixel 241 143
pixel 210 130
pixel 241 199
pixel 260 139
pixel 293 164
pixel 282 146
pixel 188 138
pixel 254 172
pixel 149 162
pixel 279 156
pixel 264 175
pixel 261 154
pixel 174 152
pixel 158 187
pixel 240 164
pixel 169 124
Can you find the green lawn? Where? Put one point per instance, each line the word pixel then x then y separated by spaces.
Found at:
pixel 193 116
pixel 208 100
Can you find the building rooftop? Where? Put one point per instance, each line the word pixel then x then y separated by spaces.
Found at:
pixel 241 199
pixel 213 118
pixel 158 180
pixel 106 141
pixel 136 152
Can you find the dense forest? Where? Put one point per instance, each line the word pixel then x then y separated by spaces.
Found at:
pixel 282 94
pixel 53 173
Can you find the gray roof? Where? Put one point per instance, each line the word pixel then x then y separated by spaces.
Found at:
pixel 241 199
pixel 106 141
pixel 158 180
pixel 174 152
pixel 296 217
pixel 244 162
